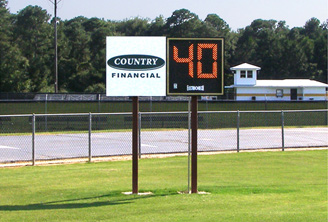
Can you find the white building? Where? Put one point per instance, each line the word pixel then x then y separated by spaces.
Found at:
pixel 247 87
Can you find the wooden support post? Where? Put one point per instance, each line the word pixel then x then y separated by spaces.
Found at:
pixel 135 144
pixel 194 126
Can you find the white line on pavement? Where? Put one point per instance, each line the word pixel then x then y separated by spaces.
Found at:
pixel 8 147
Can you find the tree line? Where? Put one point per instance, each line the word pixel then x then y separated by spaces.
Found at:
pixel 27 47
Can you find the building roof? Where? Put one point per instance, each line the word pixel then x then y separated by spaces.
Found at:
pixel 295 83
pixel 245 66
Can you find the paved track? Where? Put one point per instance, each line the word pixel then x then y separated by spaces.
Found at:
pixel 14 148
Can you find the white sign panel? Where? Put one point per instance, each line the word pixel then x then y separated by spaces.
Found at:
pixel 135 66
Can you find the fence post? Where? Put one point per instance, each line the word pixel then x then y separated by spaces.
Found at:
pixel 99 98
pixel 206 114
pixel 282 130
pixel 33 139
pixel 238 123
pixel 46 112
pixel 90 128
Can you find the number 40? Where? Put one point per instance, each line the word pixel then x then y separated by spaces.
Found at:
pixel 189 60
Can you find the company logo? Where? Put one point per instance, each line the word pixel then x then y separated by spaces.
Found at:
pixel 136 62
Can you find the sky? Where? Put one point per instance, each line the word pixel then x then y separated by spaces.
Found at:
pixel 237 13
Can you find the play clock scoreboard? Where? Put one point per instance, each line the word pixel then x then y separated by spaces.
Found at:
pixel 195 66
pixel 160 66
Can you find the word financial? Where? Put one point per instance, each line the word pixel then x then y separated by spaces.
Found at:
pixel 135 75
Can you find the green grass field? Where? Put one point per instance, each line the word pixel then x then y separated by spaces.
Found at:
pixel 262 186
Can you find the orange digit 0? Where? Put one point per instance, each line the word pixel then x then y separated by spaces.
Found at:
pixel 200 73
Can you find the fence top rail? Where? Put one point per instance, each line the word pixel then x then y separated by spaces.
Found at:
pixel 266 111
pixel 159 113
pixel 218 111
pixel 177 112
pixel 83 114
pixel 310 110
pixel 106 114
pixel 20 115
pixel 65 114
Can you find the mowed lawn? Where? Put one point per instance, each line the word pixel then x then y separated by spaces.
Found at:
pixel 260 186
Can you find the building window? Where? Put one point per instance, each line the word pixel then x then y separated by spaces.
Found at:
pixel 279 93
pixel 249 74
pixel 242 74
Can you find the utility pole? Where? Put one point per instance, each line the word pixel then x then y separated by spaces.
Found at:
pixel 56 45
pixel 56 50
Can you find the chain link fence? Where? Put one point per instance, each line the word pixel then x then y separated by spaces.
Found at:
pixel 87 135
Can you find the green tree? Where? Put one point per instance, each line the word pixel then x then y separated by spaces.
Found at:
pixel 312 28
pixel 98 53
pixel 293 60
pixel 245 46
pixel 77 64
pixel 156 27
pixel 133 27
pixel 218 24
pixel 320 57
pixel 183 23
pixel 262 43
pixel 315 36
pixel 33 34
pixel 13 65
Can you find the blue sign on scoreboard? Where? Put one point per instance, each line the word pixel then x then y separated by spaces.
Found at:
pixel 195 66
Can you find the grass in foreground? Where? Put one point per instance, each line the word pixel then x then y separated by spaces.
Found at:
pixel 271 186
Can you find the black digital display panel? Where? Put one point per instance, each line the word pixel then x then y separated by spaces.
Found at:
pixel 195 66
